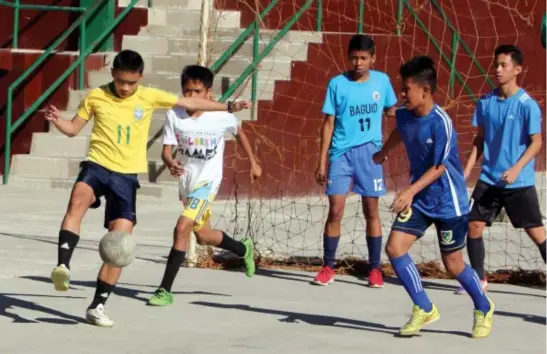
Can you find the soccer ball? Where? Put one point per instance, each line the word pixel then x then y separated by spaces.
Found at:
pixel 117 248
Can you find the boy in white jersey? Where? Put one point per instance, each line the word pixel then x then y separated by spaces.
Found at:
pixel 199 138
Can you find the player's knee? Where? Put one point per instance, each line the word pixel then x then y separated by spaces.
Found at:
pixel 392 250
pixel 78 206
pixel 475 229
pixel 183 229
pixel 453 262
pixel 336 214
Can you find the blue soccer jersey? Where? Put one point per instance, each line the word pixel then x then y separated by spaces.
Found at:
pixel 357 108
pixel 507 125
pixel 431 141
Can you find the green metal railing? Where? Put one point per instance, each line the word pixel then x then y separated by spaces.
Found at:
pixel 457 41
pixel 17 7
pixel 85 51
pixel 254 30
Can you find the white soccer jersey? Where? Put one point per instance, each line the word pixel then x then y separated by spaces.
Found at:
pixel 200 143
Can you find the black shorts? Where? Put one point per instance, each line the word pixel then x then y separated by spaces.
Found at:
pixel 521 205
pixel 119 190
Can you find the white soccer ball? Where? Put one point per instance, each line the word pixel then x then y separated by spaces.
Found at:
pixel 117 248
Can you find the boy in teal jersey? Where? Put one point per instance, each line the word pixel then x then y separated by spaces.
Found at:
pixel 351 134
pixel 509 138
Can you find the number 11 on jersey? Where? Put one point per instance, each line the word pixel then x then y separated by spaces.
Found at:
pixel 121 132
pixel 363 122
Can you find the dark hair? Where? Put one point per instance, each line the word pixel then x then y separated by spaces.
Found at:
pixel 361 42
pixel 128 60
pixel 422 70
pixel 516 54
pixel 197 73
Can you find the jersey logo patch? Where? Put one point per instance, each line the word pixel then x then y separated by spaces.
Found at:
pixel 429 141
pixel 376 96
pixel 446 237
pixel 138 112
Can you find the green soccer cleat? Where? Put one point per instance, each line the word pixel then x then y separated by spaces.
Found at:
pixel 482 324
pixel 60 276
pixel 248 259
pixel 162 297
pixel 419 319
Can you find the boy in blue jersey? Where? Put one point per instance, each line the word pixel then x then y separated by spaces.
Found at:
pixel 509 138
pixel 351 134
pixel 437 195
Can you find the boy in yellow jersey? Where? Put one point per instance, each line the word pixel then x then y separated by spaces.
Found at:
pixel 199 137
pixel 117 154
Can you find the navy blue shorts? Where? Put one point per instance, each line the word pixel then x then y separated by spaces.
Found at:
pixel 356 166
pixel 451 233
pixel 119 190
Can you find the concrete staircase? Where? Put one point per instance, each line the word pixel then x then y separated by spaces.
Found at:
pixel 168 43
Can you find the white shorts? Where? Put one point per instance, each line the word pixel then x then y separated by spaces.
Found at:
pixel 197 193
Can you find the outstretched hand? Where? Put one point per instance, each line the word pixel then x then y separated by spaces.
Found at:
pixel 241 105
pixel 52 114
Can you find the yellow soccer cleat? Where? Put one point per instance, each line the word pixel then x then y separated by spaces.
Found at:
pixel 483 322
pixel 419 319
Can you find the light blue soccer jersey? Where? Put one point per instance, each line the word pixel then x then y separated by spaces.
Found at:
pixel 507 125
pixel 431 141
pixel 357 108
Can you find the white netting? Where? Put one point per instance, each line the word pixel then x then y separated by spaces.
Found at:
pixel 285 212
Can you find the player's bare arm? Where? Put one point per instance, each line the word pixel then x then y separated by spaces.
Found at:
pixel 326 136
pixel 390 112
pixel 206 105
pixel 175 167
pixel 533 149
pixel 476 153
pixel 69 128
pixel 255 171
pixel 391 143
pixel 403 201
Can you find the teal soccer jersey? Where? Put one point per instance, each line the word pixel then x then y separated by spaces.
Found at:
pixel 507 125
pixel 358 108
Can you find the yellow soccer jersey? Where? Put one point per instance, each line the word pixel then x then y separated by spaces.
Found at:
pixel 120 133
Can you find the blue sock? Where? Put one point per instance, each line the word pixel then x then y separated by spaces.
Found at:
pixel 330 244
pixel 469 279
pixel 374 245
pixel 410 277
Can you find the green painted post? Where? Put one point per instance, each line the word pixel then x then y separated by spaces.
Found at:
pixel 100 20
pixel 15 44
pixel 7 142
pixel 399 16
pixel 81 71
pixel 361 16
pixel 319 17
pixel 254 78
pixel 452 80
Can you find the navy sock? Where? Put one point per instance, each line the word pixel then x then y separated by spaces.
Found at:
pixel 475 250
pixel 330 244
pixel 410 277
pixel 374 245
pixel 469 279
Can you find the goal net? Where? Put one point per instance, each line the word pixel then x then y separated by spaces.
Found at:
pixel 285 212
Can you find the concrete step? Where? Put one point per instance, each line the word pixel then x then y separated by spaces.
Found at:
pixel 171 83
pixel 179 4
pixel 295 50
pixel 75 97
pixel 57 145
pixel 181 31
pixel 154 190
pixel 192 18
pixel 68 167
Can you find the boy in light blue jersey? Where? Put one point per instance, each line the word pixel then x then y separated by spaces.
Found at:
pixel 509 138
pixel 351 134
pixel 437 195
